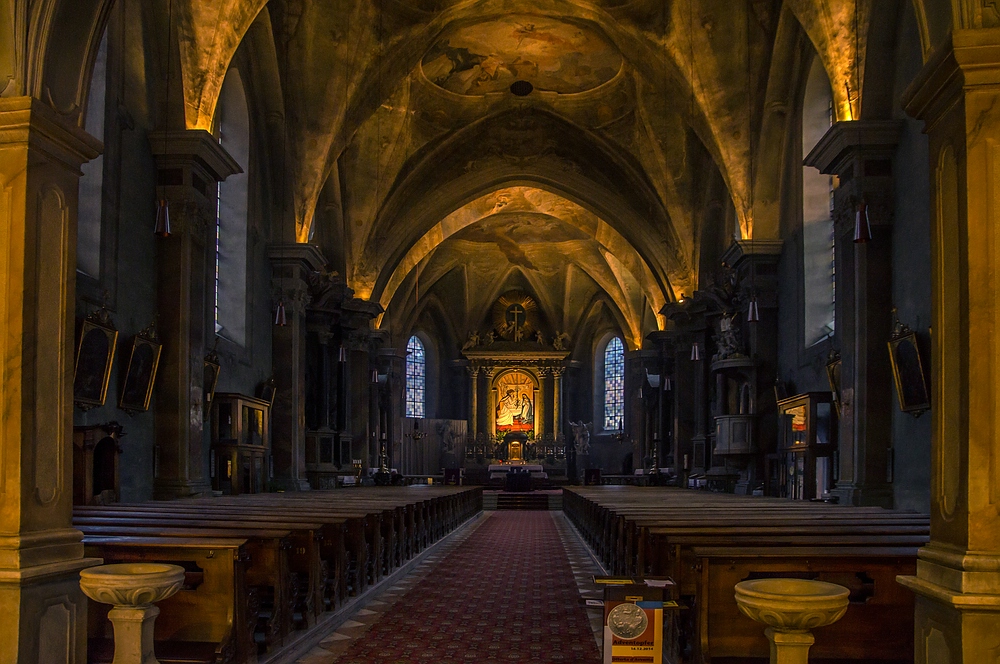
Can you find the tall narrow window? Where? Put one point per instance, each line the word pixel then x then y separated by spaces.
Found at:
pixel 233 130
pixel 416 377
pixel 614 385
pixel 818 267
pixel 91 202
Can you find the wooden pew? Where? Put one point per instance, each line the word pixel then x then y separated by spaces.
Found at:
pixel 710 542
pixel 288 541
pixel 208 621
pixel 265 572
pixel 299 594
pixel 878 624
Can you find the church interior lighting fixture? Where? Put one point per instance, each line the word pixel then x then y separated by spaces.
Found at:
pixel 695 352
pixel 342 355
pixel 862 225
pixel 280 319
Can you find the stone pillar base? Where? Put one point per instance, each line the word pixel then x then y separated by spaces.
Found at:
pixel 134 634
pixel 787 647
pixel 171 489
pixel 44 613
pixel 291 484
pixel 952 627
pixel 872 496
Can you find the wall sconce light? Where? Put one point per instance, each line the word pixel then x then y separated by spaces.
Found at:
pixel 862 226
pixel 162 227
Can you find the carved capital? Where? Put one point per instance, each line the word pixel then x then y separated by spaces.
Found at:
pixel 293 292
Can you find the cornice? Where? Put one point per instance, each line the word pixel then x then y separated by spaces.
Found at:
pixel 28 121
pixel 194 146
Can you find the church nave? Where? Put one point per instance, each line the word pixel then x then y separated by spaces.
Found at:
pixel 508 587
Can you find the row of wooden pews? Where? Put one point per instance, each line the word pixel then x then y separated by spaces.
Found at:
pixel 262 567
pixel 709 542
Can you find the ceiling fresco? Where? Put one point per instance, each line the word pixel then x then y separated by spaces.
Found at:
pixel 552 55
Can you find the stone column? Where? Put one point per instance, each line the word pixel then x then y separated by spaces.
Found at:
pixel 190 164
pixel 958 576
pixel 540 406
pixel 394 403
pixel 44 612
pixel 491 405
pixel 290 265
pixel 358 388
pixel 860 154
pixel 326 377
pixel 474 401
pixel 557 379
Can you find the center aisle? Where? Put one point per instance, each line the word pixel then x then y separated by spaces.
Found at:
pixel 504 593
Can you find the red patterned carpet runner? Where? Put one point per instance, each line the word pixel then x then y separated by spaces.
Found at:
pixel 506 594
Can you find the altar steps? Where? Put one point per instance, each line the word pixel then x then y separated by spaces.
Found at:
pixel 535 500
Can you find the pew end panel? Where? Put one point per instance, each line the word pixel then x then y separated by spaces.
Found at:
pixel 209 614
pixel 878 625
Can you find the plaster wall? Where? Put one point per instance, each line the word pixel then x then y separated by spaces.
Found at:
pixel 129 262
pixel 128 253
pixel 911 278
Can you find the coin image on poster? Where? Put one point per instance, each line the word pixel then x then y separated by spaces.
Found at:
pixel 627 621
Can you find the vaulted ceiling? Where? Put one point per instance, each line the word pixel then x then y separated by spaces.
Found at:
pixel 606 127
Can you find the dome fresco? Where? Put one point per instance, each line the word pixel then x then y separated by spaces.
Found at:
pixel 554 56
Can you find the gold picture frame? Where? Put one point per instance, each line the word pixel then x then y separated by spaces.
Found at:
pixel 140 374
pixel 95 354
pixel 908 370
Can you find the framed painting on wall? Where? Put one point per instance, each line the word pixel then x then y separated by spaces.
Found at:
pixel 908 370
pixel 95 353
pixel 143 361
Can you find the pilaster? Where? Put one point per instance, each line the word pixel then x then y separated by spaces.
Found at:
pixel 41 555
pixel 557 391
pixel 958 573
pixel 291 264
pixel 190 164
pixel 473 401
pixel 860 153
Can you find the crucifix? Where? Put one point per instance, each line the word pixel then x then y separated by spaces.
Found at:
pixel 516 317
pixel 514 314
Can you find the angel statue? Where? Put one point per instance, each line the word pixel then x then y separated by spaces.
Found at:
pixel 472 341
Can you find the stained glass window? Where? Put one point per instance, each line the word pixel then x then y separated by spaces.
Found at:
pixel 416 372
pixel 614 385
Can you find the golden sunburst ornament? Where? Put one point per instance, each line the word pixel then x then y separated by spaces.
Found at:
pixel 515 315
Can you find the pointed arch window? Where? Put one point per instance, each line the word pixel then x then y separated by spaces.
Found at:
pixel 819 271
pixel 416 377
pixel 614 384
pixel 91 199
pixel 233 132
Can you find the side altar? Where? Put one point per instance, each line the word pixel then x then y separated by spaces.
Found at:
pixel 516 375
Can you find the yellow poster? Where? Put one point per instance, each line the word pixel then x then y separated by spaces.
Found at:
pixel 633 632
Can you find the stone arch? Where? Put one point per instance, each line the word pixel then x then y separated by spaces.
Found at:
pixel 63 40
pixel 569 161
